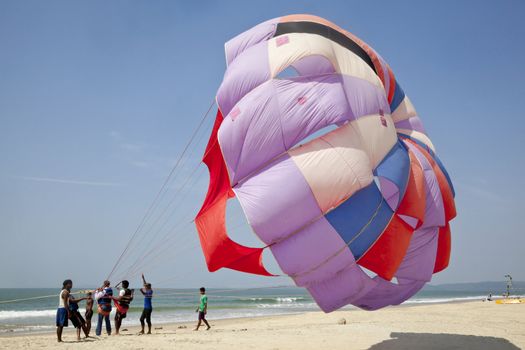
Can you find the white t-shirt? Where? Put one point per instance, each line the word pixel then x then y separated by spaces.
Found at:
pixel 61 300
pixel 99 294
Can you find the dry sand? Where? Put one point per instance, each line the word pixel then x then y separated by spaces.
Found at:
pixel 472 325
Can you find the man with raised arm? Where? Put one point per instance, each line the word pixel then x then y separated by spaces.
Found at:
pixel 148 307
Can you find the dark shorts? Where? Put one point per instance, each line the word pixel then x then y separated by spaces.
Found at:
pixel 202 315
pixel 146 314
pixel 119 315
pixel 77 319
pixel 62 317
pixel 89 315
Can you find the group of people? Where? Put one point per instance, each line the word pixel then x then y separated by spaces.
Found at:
pixel 68 309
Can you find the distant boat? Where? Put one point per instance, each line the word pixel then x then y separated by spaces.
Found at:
pixel 508 299
pixel 511 301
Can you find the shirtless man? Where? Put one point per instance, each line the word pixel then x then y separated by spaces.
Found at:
pixel 89 310
pixel 75 317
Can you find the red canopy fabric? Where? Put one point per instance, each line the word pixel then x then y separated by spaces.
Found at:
pixel 219 250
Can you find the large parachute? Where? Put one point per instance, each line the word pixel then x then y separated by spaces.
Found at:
pixel 369 194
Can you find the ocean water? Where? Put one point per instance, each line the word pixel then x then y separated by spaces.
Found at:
pixel 178 305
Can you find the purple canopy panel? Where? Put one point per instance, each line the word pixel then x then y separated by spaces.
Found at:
pixel 314 65
pixel 315 253
pixel 342 289
pixel 280 113
pixel 249 38
pixel 389 191
pixel 387 293
pixel 418 263
pixel 409 220
pixel 265 199
pixel 412 123
pixel 249 70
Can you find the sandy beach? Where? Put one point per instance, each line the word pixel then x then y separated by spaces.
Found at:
pixel 470 325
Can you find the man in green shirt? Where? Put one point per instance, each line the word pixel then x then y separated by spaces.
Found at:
pixel 202 309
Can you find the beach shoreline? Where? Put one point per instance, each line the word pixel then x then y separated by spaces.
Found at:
pixel 14 333
pixel 474 324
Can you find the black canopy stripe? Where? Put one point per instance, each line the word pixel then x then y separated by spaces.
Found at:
pixel 327 32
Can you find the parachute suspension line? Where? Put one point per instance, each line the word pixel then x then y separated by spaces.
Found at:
pixel 159 260
pixel 177 192
pixel 147 252
pixel 178 250
pixel 178 276
pixel 161 192
pixel 168 246
pixel 184 191
pixel 164 245
pixel 157 220
pixel 158 251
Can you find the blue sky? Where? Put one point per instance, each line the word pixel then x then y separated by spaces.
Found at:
pixel 98 98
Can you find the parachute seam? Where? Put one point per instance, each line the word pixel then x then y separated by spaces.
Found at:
pixel 344 160
pixel 287 149
pixel 329 258
pixel 277 102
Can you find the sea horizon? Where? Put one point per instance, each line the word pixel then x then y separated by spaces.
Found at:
pixel 177 305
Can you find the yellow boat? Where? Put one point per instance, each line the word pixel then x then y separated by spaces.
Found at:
pixel 511 301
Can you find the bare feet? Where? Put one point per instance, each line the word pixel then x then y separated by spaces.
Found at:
pixel 208 328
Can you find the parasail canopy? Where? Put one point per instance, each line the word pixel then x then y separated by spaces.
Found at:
pixel 370 194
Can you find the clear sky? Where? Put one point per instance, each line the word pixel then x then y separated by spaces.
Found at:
pixel 98 98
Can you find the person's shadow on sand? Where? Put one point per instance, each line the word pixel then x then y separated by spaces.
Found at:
pixel 404 341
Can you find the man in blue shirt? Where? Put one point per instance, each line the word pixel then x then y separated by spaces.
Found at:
pixel 148 308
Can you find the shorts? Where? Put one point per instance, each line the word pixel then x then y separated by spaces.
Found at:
pixel 119 315
pixel 89 315
pixel 146 315
pixel 77 319
pixel 61 317
pixel 202 315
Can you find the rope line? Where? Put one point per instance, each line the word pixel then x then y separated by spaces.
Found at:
pixel 155 235
pixel 36 298
pixel 161 192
